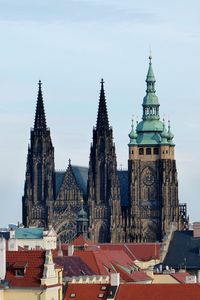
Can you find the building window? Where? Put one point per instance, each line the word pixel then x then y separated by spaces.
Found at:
pixel 132 152
pixel 156 151
pixel 141 151
pixel 19 272
pixel 148 151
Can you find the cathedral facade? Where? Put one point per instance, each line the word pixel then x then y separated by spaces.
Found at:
pixel 99 201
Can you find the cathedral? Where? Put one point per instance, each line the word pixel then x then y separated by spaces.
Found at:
pixel 99 201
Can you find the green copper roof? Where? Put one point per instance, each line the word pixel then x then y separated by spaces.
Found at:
pixel 150 74
pixel 164 135
pixel 133 135
pixel 150 138
pixel 29 233
pixel 151 131
pixel 149 126
pixel 82 215
pixel 150 100
pixel 170 135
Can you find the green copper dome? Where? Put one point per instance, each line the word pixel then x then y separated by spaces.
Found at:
pixel 164 135
pixel 170 135
pixel 132 135
pixel 82 215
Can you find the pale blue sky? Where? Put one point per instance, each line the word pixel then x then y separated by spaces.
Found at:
pixel 70 45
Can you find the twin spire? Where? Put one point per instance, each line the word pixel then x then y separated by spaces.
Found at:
pixel 40 118
pixel 102 118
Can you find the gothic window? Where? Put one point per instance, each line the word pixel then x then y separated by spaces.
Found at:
pixel 148 151
pixel 102 182
pixel 141 151
pixel 39 182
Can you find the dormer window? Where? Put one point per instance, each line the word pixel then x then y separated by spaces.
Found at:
pixel 19 269
pixel 19 272
pixel 72 295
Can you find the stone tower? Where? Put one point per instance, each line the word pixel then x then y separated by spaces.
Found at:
pixel 38 190
pixel 103 183
pixel 153 185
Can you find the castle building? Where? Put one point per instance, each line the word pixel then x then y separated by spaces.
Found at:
pixel 101 202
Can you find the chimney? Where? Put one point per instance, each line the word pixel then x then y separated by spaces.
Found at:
pixel 2 258
pixel 196 229
pixel 114 279
pixel 70 250
pixel 60 252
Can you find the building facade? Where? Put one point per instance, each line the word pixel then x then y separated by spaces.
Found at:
pixel 140 204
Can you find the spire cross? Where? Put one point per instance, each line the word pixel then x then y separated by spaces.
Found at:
pixel 69 162
pixel 150 56
pixel 40 83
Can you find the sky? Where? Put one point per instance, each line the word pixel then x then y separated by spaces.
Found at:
pixel 70 45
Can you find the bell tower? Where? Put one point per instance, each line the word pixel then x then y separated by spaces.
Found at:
pixel 153 184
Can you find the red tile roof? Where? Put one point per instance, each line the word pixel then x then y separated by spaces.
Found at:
pixel 89 258
pixel 180 276
pixel 73 266
pixel 87 291
pixel 145 252
pixel 135 276
pixel 33 261
pixel 81 241
pixel 158 292
pixel 142 251
pixel 101 261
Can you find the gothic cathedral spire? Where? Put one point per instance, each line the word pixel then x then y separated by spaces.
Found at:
pixel 39 180
pixel 103 183
pixel 40 118
pixel 102 117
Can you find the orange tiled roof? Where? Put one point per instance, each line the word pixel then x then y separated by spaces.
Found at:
pixel 158 292
pixel 87 291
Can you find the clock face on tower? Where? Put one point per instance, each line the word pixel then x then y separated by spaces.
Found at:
pixel 148 179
